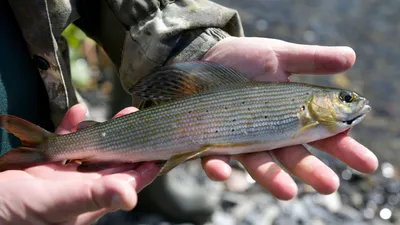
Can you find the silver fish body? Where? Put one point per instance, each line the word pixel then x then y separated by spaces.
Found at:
pixel 214 110
pixel 236 119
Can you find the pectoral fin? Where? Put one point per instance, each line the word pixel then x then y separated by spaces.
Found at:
pixel 306 127
pixel 174 161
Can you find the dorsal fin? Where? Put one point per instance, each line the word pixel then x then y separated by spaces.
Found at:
pixel 184 79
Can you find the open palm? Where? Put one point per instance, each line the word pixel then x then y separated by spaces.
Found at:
pixel 274 60
pixel 56 194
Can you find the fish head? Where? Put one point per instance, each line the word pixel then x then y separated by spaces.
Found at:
pixel 338 109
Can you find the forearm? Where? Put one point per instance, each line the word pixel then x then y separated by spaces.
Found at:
pixel 195 43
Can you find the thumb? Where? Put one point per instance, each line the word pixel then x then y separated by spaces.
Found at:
pixel 72 118
pixel 72 198
pixel 111 192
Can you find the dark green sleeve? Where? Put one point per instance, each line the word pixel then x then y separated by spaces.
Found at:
pixel 139 35
pixel 22 92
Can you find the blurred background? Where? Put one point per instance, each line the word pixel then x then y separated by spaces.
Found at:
pixel 186 196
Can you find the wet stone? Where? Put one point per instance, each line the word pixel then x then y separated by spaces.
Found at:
pixel 368 213
pixel 346 174
pixel 238 181
pixel 393 187
pixel 377 197
pixel 372 205
pixel 387 170
pixel 356 199
pixel 385 213
pixel 393 200
pixel 223 218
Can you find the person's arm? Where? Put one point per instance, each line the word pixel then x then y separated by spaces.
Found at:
pixel 140 35
pixel 53 194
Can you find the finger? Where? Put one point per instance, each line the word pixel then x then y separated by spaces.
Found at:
pixel 217 167
pixel 145 174
pixel 82 196
pixel 76 115
pixel 313 59
pixel 60 172
pixel 63 172
pixel 271 56
pixel 88 218
pixel 349 151
pixel 299 162
pixel 251 56
pixel 116 191
pixel 72 118
pixel 125 111
pixel 266 172
pixel 9 175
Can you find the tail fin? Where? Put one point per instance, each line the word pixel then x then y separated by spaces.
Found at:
pixel 31 137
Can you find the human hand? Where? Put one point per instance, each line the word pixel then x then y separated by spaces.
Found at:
pixel 274 60
pixel 56 194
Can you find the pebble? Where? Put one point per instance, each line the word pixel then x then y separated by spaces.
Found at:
pixel 238 181
pixel 356 199
pixel 385 213
pixel 368 213
pixel 387 170
pixel 261 25
pixel 360 200
pixel 393 187
pixel 332 202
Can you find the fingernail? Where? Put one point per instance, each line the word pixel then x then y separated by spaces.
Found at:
pixel 335 179
pixel 373 159
pixel 116 202
pixel 227 170
pixel 132 181
pixel 294 188
pixel 345 48
pixel 371 155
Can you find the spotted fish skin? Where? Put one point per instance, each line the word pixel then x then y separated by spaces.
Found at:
pixel 229 118
pixel 248 113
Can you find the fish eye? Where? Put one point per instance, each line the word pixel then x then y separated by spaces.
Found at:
pixel 346 96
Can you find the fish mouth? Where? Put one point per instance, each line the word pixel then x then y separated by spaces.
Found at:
pixel 363 112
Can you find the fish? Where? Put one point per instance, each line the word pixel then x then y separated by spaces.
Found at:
pixel 206 109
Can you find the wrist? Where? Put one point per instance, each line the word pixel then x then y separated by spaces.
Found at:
pixel 194 44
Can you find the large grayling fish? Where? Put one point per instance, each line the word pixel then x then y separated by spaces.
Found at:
pixel 211 109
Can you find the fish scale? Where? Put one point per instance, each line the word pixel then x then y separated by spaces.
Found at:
pixel 211 109
pixel 174 127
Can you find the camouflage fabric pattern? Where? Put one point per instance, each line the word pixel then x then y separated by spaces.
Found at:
pixel 138 35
